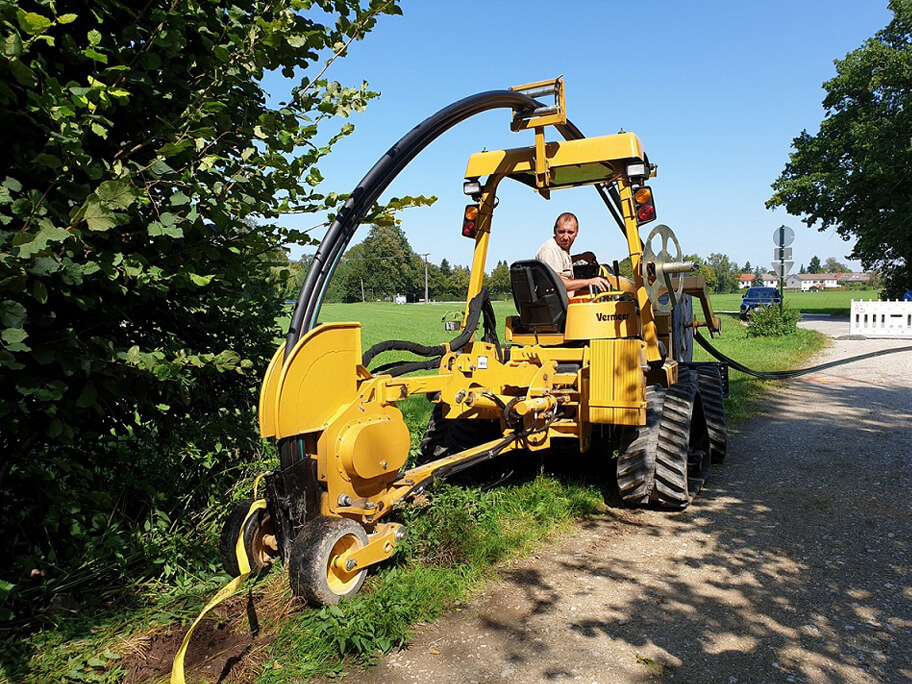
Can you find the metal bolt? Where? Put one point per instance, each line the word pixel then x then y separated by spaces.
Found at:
pixel 369 504
pixel 383 464
pixel 351 564
pixel 345 500
pixel 460 395
pixel 400 534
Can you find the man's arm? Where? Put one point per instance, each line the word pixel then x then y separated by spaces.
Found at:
pixel 574 284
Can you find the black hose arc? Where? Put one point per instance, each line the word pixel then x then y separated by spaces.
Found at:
pixel 369 189
pixel 785 375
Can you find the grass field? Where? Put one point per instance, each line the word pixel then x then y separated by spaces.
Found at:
pixel 833 303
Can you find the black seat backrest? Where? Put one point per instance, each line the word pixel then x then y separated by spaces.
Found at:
pixel 540 296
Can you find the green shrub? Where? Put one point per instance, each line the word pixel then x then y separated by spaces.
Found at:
pixel 769 321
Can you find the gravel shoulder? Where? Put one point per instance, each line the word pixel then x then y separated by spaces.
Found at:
pixel 791 566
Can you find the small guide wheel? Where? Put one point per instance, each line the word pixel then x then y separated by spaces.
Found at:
pixel 259 539
pixel 313 572
pixel 653 260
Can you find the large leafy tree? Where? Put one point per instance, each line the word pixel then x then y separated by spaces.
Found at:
pixel 145 170
pixel 853 175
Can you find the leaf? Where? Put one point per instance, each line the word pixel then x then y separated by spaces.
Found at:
pixel 13 335
pixel 93 54
pixel 12 45
pixel 43 266
pixel 66 18
pixel 23 74
pixel 160 168
pixel 48 160
pixel 34 23
pixel 12 314
pixel 98 217
pixel 94 37
pixel 179 199
pixel 201 280
pixel 157 228
pixel 99 130
pixel 12 184
pixel 39 242
pixel 116 194
pixel 39 291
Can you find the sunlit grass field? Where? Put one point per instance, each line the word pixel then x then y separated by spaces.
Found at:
pixel 833 303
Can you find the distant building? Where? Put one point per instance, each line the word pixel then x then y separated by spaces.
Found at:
pixel 770 280
pixel 853 278
pixel 749 279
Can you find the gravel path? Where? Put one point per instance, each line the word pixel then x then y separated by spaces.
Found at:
pixel 791 566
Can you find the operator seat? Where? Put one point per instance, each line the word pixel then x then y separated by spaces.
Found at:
pixel 540 297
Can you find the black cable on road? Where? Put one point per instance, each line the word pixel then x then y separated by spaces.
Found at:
pixel 785 375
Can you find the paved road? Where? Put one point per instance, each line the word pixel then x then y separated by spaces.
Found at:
pixel 792 566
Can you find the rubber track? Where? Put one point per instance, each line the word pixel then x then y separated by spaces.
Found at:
pixel 443 437
pixel 636 460
pixel 709 383
pixel 672 480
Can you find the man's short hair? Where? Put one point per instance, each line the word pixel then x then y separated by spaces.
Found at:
pixel 564 218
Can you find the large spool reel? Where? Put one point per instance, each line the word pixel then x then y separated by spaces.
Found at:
pixel 658 267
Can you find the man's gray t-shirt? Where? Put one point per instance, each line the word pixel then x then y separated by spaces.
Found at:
pixel 551 253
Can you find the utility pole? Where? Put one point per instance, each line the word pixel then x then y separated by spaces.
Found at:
pixel 425 256
pixel 362 289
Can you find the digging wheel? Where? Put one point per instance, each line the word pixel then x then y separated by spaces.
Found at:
pixel 665 462
pixel 709 381
pixel 259 539
pixel 313 572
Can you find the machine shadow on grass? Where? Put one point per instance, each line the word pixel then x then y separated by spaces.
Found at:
pixel 802 556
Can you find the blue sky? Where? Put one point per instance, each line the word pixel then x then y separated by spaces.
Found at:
pixel 716 91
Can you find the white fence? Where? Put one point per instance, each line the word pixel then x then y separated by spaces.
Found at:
pixel 881 319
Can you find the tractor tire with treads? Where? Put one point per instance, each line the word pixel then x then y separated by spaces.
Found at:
pixel 682 457
pixel 709 382
pixel 664 463
pixel 637 453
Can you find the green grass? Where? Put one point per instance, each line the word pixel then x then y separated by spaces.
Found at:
pixel 758 353
pixel 453 543
pixel 824 302
pixel 455 539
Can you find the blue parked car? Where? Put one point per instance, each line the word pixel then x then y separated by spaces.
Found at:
pixel 757 297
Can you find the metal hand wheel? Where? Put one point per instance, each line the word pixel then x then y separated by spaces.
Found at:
pixel 655 268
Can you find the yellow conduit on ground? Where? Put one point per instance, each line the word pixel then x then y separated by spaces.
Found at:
pixel 177 668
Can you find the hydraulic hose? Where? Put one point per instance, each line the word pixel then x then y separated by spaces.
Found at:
pixel 369 189
pixel 786 374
